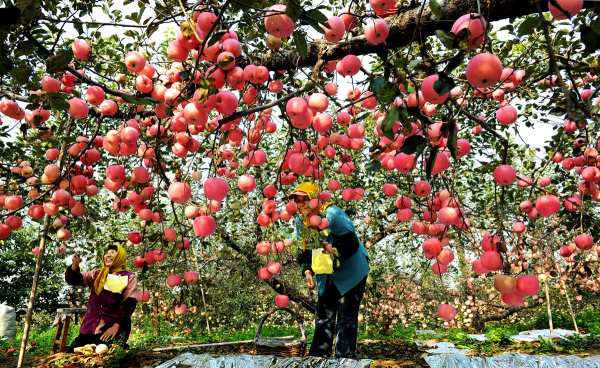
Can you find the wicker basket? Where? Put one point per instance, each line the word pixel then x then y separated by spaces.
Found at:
pixel 288 347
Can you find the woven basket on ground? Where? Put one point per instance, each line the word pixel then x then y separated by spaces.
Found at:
pixel 288 347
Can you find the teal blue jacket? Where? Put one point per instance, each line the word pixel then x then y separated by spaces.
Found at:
pixel 350 271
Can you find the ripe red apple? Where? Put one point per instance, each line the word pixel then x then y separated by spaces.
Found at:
pixel 584 242
pixel 376 31
pixel 264 274
pixel 142 296
pixel 81 49
pixel 180 309
pixel 282 301
pixel 191 277
pixel 336 29
pixel 135 62
pixel 528 284
pixel 484 70
pixel 505 175
pixel 506 115
pixel 478 268
pixel 174 280
pixel 475 25
pixel 446 311
pixel 513 298
pixel 572 6
pixel 429 94
pixel 139 262
pixel 278 23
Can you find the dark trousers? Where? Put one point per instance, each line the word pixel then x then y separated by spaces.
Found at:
pixel 345 307
pixel 86 339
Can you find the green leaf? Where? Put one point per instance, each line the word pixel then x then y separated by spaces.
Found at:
pixel 455 62
pixel 373 166
pixel 57 101
pixel 528 25
pixel 78 27
pixel 184 74
pixel 431 161
pixel 387 126
pixel 420 150
pixel 150 30
pixel 444 84
pixel 377 84
pixel 131 33
pixel 414 111
pixel 29 9
pixel 590 38
pixel 446 38
pixel 21 75
pixel 138 101
pixel 436 9
pixel 225 61
pixel 5 64
pixel 404 119
pixel 215 38
pixel 463 38
pixel 413 64
pixel 325 232
pixel 314 14
pixel 59 61
pixel 300 42
pixel 412 143
pixel 293 10
pixel 314 24
pixel 454 41
pixel 315 19
pixel 242 5
pixel 37 119
pixel 387 93
pixel 558 111
pixel 452 138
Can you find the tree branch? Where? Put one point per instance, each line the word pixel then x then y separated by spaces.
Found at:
pixel 278 284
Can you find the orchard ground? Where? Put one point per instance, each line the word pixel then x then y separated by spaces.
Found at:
pixel 395 347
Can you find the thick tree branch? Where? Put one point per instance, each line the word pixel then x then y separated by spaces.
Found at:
pixel 402 27
pixel 479 322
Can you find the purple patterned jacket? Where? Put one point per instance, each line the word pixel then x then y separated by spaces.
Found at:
pixel 108 308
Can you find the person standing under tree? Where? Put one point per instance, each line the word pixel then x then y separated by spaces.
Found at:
pixel 340 292
pixel 112 299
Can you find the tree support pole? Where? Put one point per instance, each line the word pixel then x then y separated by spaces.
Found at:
pixel 36 277
pixel 205 311
pixel 40 259
pixel 569 302
pixel 549 310
pixel 201 290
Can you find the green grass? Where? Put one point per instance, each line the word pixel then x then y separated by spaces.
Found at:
pixel 499 335
pixel 41 337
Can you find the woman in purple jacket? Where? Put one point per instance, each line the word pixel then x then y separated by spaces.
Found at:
pixel 112 299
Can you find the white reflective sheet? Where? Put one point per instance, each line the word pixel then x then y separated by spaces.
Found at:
pixel 511 360
pixel 259 361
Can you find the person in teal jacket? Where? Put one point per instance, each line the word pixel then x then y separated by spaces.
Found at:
pixel 340 292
